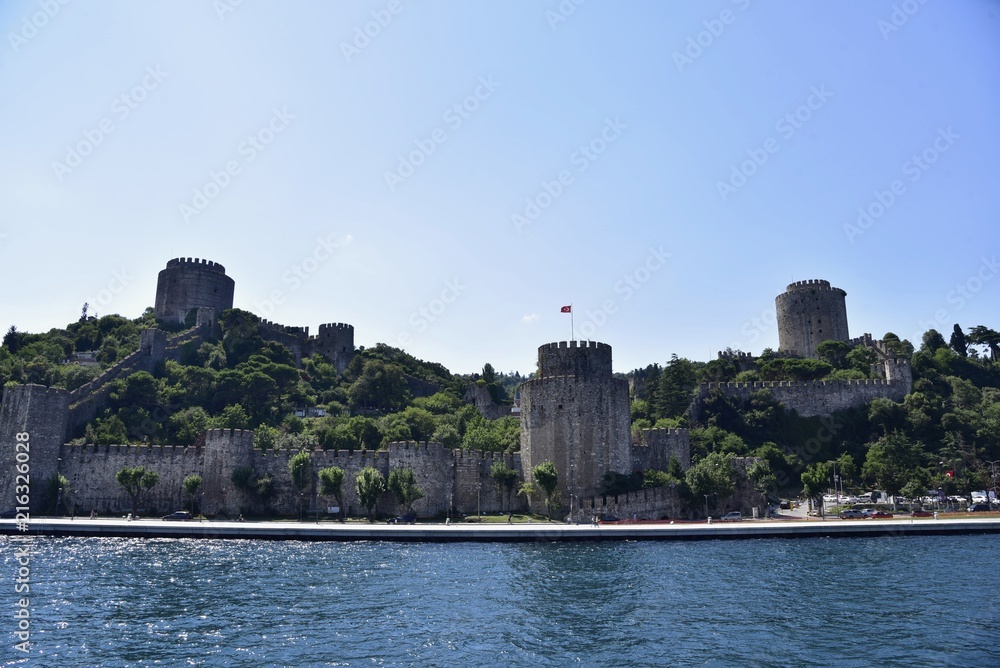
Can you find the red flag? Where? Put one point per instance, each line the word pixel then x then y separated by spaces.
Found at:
pixel 566 309
pixel 950 474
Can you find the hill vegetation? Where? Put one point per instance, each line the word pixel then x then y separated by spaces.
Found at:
pixel 945 434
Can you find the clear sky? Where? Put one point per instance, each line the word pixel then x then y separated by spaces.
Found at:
pixel 445 176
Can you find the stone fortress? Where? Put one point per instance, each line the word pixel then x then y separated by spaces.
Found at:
pixel 574 413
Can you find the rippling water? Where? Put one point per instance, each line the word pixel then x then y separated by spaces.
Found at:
pixel 931 601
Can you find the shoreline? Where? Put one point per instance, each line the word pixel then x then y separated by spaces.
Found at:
pixel 523 532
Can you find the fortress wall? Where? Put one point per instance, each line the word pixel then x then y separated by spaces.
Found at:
pixel 434 470
pixel 296 339
pixel 810 398
pixel 40 412
pixel 583 427
pixel 475 489
pixel 88 400
pixel 656 446
pixel 646 504
pixel 286 497
pixel 91 473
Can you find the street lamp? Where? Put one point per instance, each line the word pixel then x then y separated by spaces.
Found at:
pixel 706 506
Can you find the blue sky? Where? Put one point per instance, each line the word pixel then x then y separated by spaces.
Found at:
pixel 445 176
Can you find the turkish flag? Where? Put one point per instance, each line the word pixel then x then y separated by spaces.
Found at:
pixel 950 474
pixel 566 309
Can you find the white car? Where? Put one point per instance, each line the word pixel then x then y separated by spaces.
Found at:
pixel 734 516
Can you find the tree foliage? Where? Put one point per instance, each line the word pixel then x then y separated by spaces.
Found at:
pixel 370 485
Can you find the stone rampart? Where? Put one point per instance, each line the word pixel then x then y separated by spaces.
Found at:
pixel 654 447
pixel 646 504
pixel 809 398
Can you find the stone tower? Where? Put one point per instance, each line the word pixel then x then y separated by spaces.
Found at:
pixel 188 284
pixel 810 312
pixel 576 415
pixel 336 342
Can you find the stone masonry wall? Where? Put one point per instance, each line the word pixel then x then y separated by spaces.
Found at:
pixel 40 412
pixel 809 398
pixel 655 447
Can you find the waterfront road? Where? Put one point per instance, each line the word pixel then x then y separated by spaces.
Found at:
pixel 519 532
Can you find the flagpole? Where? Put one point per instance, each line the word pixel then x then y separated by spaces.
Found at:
pixel 572 330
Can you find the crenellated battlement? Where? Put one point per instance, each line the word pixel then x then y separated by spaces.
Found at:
pixel 770 384
pixel 270 326
pixel 811 284
pixel 589 360
pixel 196 263
pixel 595 345
pixel 332 328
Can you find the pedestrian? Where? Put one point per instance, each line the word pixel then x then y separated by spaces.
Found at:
pixel 510 516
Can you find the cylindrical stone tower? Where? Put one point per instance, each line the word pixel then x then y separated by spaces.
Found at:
pixel 188 284
pixel 810 312
pixel 576 415
pixel 336 342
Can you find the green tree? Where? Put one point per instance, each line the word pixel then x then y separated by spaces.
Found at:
pixel 192 485
pixel 135 481
pixel 677 382
pixel 814 482
pixel 763 479
pixel 958 342
pixel 834 353
pixel 983 336
pixel 712 475
pixel 300 466
pixel 891 461
pixel 527 490
pixel 56 491
pixel 932 341
pixel 403 486
pixel 331 483
pixel 380 385
pixel 547 478
pixel 370 485
pixel 489 373
pixel 504 477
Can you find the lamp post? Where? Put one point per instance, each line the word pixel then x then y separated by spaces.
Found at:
pixel 706 506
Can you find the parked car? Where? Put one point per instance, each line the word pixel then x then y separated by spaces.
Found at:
pixel 851 514
pixel 979 508
pixel 178 515
pixel 921 513
pixel 734 516
pixel 879 515
pixel 404 519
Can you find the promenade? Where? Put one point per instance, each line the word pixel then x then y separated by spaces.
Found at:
pixel 518 532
